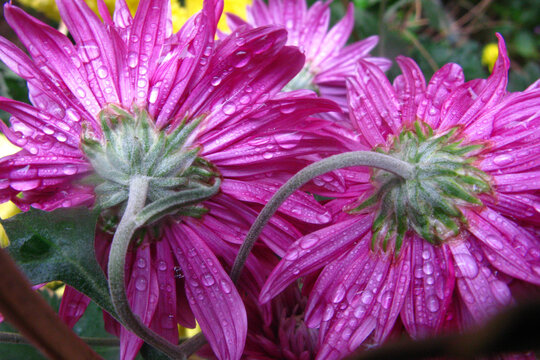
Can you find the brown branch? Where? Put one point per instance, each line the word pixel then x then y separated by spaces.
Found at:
pixel 36 320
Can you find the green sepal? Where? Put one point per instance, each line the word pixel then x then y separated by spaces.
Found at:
pixel 372 200
pixel 59 245
pixel 452 188
pixel 178 137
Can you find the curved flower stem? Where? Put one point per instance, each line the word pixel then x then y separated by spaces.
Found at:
pixel 354 158
pixel 138 189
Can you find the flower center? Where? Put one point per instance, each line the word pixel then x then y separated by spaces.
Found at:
pixel 133 146
pixel 429 203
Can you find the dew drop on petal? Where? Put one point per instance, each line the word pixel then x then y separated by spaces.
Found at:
pixel 328 313
pixel 208 280
pixel 386 299
pixel 467 265
pixel 426 255
pixel 141 263
pixel 133 60
pixel 292 254
pixel 225 286
pixel 428 268
pixel 141 283
pixel 153 95
pixel 433 303
pixel 494 242
pixel 216 80
pixel 501 292
pixel 504 159
pixel 339 294
pixel 229 108
pixel 102 72
pixel 268 155
pixel 162 266
pixel 308 241
pixel 367 296
pixel 69 170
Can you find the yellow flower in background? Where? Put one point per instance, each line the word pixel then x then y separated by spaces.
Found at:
pixel 7 209
pixel 489 55
pixel 179 13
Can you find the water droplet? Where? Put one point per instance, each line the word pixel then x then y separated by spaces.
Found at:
pixel 153 95
pixel 328 313
pixel 73 115
pixel 102 72
pixel 141 283
pixel 466 265
pixel 494 242
pixel 308 241
pixel 366 298
pixel 432 303
pixel 386 299
pixel 245 99
pixel 504 159
pixel 162 266
pixel 133 60
pixel 242 59
pixel 208 280
pixel 216 80
pixel 501 292
pixel 229 108
pixel 141 83
pixel 268 155
pixel 80 92
pixel 240 41
pixel 430 280
pixel 178 272
pixel 225 286
pixel 141 263
pixel 147 37
pixel 61 137
pixel 89 51
pixel 69 170
pixel 426 255
pixel 428 268
pixel 339 294
pixel 418 272
pixel 292 254
pixel 207 51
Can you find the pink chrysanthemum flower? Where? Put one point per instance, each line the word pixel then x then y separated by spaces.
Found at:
pixel 450 246
pixel 328 59
pixel 129 96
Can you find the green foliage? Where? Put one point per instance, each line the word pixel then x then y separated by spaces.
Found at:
pixel 59 245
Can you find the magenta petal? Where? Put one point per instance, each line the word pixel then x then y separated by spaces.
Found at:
pixel 475 97
pixel 411 88
pixel 299 205
pixel 373 104
pixel 72 306
pixel 336 38
pixel 211 294
pixel 96 49
pixel 142 293
pixel 311 252
pixel 508 247
pixel 66 66
pixel 315 28
pixel 349 295
pixel 432 286
pixel 442 83
pixel 164 321
pixel 148 34
pixel 482 292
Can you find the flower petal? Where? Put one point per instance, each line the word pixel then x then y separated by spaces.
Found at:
pixel 211 294
pixel 72 306
pixel 432 286
pixel 508 247
pixel 313 251
pixel 441 85
pixel 142 293
pixel 482 293
pixel 410 88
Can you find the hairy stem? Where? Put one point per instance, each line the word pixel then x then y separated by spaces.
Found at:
pixel 354 158
pixel 138 189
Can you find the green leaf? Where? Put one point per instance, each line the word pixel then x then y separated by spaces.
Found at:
pixel 59 245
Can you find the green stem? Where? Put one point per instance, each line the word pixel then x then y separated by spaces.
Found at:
pixel 7 337
pixel 138 189
pixel 354 158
